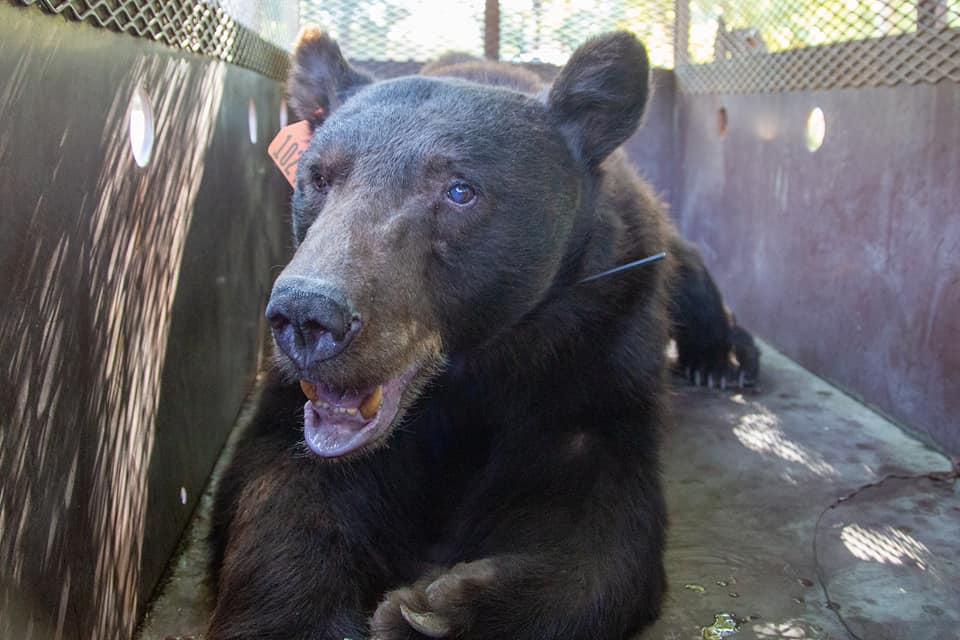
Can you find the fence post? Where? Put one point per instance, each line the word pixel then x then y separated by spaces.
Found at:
pixel 491 30
pixel 681 33
pixel 931 15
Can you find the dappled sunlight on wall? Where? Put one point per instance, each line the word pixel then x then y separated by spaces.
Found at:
pixel 88 349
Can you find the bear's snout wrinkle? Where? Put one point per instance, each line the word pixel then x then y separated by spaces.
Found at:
pixel 311 320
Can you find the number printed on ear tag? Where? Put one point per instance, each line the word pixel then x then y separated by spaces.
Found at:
pixel 288 146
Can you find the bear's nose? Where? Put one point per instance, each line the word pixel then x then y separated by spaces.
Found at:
pixel 311 320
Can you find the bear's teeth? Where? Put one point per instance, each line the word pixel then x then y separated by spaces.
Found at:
pixel 351 411
pixel 371 405
pixel 309 390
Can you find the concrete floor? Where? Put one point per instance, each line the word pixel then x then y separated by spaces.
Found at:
pixel 796 512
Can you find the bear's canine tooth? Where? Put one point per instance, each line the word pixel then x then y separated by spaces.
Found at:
pixel 309 390
pixel 371 405
pixel 351 411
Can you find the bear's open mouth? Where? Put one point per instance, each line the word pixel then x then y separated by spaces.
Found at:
pixel 336 423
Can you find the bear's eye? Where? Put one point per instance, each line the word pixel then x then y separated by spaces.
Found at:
pixel 320 182
pixel 461 193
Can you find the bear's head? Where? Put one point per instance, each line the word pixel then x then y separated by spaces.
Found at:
pixel 431 215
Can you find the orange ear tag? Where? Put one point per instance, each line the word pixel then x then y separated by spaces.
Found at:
pixel 288 146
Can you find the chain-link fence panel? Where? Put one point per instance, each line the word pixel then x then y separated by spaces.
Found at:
pixel 200 26
pixel 720 46
pixel 549 30
pixel 399 30
pixel 740 47
pixel 276 22
pixel 530 31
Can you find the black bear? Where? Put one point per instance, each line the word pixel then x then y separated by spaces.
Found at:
pixel 477 455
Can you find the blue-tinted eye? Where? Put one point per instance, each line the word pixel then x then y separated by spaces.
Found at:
pixel 320 181
pixel 461 193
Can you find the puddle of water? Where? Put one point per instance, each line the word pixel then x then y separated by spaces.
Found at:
pixel 724 625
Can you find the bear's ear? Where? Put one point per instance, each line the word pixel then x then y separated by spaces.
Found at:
pixel 599 96
pixel 320 78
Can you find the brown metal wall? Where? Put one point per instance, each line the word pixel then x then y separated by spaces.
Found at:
pixel 654 148
pixel 847 259
pixel 130 309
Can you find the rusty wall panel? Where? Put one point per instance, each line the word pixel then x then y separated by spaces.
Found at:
pixel 130 309
pixel 847 259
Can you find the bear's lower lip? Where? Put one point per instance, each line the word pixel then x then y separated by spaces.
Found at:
pixel 331 431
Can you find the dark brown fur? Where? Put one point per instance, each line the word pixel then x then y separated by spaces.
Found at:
pixel 711 348
pixel 497 74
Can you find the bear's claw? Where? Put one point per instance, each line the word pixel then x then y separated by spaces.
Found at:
pixel 429 624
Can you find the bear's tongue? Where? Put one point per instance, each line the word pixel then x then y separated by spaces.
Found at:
pixel 336 423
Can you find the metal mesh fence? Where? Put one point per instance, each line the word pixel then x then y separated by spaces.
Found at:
pixel 817 44
pixel 720 46
pixel 277 21
pixel 399 30
pixel 544 31
pixel 198 26
pixel 549 30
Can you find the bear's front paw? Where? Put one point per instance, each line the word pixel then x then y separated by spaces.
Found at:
pixel 436 607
